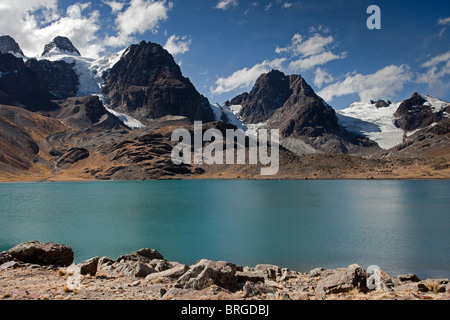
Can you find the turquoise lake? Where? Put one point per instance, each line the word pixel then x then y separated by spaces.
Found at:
pixel 401 226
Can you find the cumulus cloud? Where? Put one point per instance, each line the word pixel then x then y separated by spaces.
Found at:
pixel 226 4
pixel 286 5
pixel 115 6
pixel 245 77
pixel 438 67
pixel 383 84
pixel 139 17
pixel 177 45
pixel 34 23
pixel 322 77
pixel 309 52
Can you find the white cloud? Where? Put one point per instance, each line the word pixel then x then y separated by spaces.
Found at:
pixel 438 67
pixel 177 45
pixel 322 77
pixel 267 7
pixel 445 57
pixel 314 60
pixel 34 23
pixel 226 4
pixel 313 51
pixel 286 5
pixel 245 77
pixel 444 21
pixel 383 84
pixel 116 6
pixel 141 16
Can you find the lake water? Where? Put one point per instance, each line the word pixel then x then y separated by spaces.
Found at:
pixel 401 226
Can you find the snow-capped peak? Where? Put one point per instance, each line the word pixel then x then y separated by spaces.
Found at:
pixel 377 120
pixel 435 104
pixel 60 45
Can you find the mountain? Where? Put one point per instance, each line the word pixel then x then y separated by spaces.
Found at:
pixel 9 45
pixel 390 124
pixel 147 84
pixel 60 45
pixel 306 122
pixel 64 117
pixel 22 86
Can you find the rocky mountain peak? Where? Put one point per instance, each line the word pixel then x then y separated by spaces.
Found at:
pixel 270 92
pixel 415 113
pixel 148 84
pixel 61 44
pixel 9 45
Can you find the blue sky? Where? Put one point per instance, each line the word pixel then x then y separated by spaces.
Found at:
pixel 224 45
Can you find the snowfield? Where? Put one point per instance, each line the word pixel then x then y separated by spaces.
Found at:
pixel 378 124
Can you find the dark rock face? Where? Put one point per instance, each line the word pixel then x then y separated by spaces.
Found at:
pixel 87 113
pixel 289 104
pixel 413 114
pixel 147 84
pixel 58 77
pixel 269 93
pixel 8 44
pixel 21 86
pixel 305 113
pixel 382 104
pixel 42 253
pixel 63 44
pixel 240 99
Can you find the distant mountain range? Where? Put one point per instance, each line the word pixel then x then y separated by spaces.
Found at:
pixel 111 118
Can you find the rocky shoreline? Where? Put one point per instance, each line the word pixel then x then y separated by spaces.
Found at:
pixel 45 271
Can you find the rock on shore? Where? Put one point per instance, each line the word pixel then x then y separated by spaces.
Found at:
pixel 35 270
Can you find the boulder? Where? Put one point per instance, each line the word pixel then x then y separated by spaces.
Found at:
pixel 206 273
pixel 89 266
pixel 9 265
pixel 5 257
pixel 317 272
pixel 106 261
pixel 142 255
pixel 132 269
pixel 244 277
pixel 175 272
pixel 161 265
pixel 42 253
pixel 271 272
pixel 252 289
pixel 343 280
pixel 411 277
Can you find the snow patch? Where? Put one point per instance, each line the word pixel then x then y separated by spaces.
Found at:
pixel 435 104
pixel 377 124
pixel 127 120
pixel 232 114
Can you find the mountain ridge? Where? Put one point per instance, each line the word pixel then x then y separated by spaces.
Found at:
pixel 112 118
